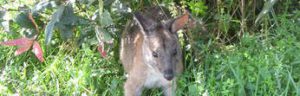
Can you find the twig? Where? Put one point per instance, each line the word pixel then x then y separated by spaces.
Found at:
pixel 34 23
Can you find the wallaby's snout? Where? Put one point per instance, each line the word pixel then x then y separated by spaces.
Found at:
pixel 169 74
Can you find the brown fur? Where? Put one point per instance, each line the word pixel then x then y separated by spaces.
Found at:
pixel 150 53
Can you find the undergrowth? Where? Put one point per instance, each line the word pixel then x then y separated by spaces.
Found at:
pixel 259 64
pixel 234 60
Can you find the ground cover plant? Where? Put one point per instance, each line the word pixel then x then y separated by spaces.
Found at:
pixel 232 47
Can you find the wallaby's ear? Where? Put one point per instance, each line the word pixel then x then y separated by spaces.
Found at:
pixel 179 22
pixel 145 24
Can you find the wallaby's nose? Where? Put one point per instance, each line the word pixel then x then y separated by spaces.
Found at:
pixel 169 74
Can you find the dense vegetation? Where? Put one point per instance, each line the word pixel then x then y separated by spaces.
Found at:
pixel 231 47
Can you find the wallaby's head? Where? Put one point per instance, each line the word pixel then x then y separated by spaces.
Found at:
pixel 161 48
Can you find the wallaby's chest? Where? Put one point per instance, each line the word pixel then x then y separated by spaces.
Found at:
pixel 154 79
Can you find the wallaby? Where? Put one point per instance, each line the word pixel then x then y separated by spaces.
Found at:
pixel 150 51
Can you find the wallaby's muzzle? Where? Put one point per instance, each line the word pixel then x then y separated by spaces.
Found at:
pixel 169 74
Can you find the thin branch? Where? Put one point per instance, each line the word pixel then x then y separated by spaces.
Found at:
pixel 34 23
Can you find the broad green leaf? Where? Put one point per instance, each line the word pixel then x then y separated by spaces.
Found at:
pixel 48 31
pixel 41 6
pixel 85 33
pixel 55 18
pixel 24 21
pixel 65 31
pixel 68 16
pixel 57 15
pixel 66 23
pixel 102 35
pixel 90 2
pixel 105 19
pixel 267 7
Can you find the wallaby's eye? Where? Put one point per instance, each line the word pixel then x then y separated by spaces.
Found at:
pixel 174 53
pixel 154 54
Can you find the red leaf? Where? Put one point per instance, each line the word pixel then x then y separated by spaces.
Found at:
pixel 22 50
pixel 101 51
pixel 18 42
pixel 37 50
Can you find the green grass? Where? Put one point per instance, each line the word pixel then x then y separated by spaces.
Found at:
pixel 65 72
pixel 259 64
pixel 264 63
